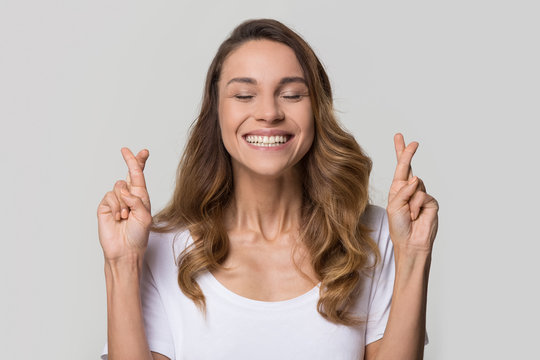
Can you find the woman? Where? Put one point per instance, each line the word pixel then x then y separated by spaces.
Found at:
pixel 268 248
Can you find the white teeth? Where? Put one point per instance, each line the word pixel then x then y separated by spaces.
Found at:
pixel 266 140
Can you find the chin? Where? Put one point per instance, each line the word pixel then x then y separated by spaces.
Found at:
pixel 271 171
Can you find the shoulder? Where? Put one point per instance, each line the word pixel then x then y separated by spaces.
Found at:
pixel 376 219
pixel 164 247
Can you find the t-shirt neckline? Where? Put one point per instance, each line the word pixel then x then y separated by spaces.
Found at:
pixel 223 291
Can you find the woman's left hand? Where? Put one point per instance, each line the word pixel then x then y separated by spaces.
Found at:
pixel 412 213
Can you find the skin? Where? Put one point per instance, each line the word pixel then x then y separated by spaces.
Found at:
pixel 413 223
pixel 265 211
pixel 266 182
pixel 251 97
pixel 262 87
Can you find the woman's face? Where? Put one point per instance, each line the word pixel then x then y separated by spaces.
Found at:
pixel 264 108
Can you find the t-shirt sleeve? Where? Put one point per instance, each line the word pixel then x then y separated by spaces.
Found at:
pixel 382 286
pixel 156 326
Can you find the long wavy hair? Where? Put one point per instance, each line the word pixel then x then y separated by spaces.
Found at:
pixel 335 175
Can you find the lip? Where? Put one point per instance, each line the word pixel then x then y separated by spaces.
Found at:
pixel 268 132
pixel 267 148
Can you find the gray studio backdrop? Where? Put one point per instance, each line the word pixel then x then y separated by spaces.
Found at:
pixel 81 79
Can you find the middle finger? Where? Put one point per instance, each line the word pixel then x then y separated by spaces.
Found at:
pixel 403 169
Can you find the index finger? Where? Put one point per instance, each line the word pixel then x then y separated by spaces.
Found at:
pixel 399 145
pixel 141 157
pixel 136 175
pixel 404 154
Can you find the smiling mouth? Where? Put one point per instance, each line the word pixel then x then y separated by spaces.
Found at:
pixel 267 141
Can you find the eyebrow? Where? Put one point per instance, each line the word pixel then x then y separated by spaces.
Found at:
pixel 283 81
pixel 293 79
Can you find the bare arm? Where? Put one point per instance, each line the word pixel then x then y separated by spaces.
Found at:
pixel 413 223
pixel 124 220
pixel 125 327
pixel 405 331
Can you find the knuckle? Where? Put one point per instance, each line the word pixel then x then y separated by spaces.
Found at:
pixel 111 198
pixel 141 202
pixel 102 203
pixel 146 203
pixel 120 183
pixel 104 199
pixel 147 219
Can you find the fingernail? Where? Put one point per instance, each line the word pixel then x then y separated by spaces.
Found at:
pixel 124 191
pixel 413 180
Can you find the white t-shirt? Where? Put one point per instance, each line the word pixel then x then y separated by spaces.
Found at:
pixel 240 328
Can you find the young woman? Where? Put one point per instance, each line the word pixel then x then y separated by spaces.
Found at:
pixel 268 248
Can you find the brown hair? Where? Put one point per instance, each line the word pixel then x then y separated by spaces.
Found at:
pixel 335 186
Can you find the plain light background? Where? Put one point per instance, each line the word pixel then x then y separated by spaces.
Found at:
pixel 81 79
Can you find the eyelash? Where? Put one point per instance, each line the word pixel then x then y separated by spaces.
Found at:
pixel 294 97
pixel 297 97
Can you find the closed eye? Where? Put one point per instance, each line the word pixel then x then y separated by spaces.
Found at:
pixel 294 97
pixel 244 97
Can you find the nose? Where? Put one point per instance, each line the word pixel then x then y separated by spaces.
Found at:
pixel 268 109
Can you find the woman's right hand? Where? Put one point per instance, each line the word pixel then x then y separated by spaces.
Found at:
pixel 124 216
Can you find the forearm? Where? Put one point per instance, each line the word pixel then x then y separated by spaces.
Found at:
pixel 405 331
pixel 125 326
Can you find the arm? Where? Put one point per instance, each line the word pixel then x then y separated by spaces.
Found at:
pixel 405 331
pixel 125 327
pixel 412 218
pixel 125 330
pixel 124 220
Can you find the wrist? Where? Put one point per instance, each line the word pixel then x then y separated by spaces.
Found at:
pixel 129 264
pixel 412 252
pixel 408 259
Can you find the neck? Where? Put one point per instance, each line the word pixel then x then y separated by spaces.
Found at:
pixel 267 206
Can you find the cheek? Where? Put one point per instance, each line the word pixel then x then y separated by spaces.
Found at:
pixel 224 116
pixel 308 125
pixel 230 114
pixel 229 121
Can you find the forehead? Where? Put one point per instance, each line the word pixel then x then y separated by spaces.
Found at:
pixel 261 60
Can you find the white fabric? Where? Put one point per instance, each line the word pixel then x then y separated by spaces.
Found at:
pixel 242 328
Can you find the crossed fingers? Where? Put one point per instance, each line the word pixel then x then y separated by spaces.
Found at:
pixel 135 176
pixel 134 184
pixel 404 155
pixel 414 197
